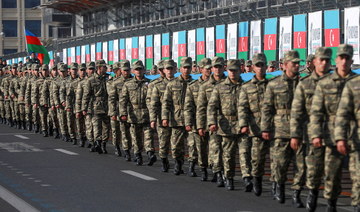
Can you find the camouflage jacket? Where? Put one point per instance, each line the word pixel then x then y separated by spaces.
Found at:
pixel 204 95
pixel 115 91
pixel 5 84
pixel 79 95
pixel 95 96
pixel 1 88
pixel 325 103
pixel 172 108
pixel 150 89
pixel 36 89
pixel 22 90
pixel 70 90
pixel 45 93
pixel 28 89
pixel 277 106
pixel 250 103
pixel 14 87
pixel 223 108
pixel 133 101
pixel 54 91
pixel 156 98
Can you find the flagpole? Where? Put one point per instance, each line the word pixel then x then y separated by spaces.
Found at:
pixel 26 46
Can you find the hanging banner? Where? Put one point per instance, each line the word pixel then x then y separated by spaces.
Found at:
pixel 142 49
pixel 270 38
pixel 135 49
pixel 69 56
pixel 255 37
pixel 285 35
pixel 200 44
pixel 157 48
pixel 78 54
pixel 232 41
pixel 93 52
pixel 111 52
pixel 243 40
pixel 332 31
pixel 116 51
pixel 220 41
pixel 165 46
pixel 88 53
pixel 351 28
pixel 314 31
pixel 192 44
pixel 175 42
pixel 83 54
pixel 99 51
pixel 181 46
pixel 123 49
pixel 73 54
pixel 300 36
pixel 210 42
pixel 149 52
pixel 105 51
pixel 51 54
pixel 128 48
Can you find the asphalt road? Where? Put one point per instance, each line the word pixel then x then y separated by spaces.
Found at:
pixel 44 174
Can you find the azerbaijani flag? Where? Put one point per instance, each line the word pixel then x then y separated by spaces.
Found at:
pixel 34 45
pixel 220 41
pixel 200 44
pixel 165 46
pixel 243 42
pixel 87 53
pixel 122 49
pixel 99 51
pixel 111 52
pixel 300 36
pixel 78 54
pixel 270 38
pixel 135 49
pixel 182 45
pixel 332 31
pixel 149 53
pixel 51 54
pixel 69 61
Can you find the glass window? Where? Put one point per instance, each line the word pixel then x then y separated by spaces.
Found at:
pixel 9 51
pixel 34 27
pixel 8 4
pixel 10 28
pixel 31 3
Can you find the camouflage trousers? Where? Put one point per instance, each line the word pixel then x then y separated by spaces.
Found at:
pixel 315 166
pixel 333 172
pixel 80 127
pixel 244 146
pixel 215 152
pixel 53 118
pixel 164 135
pixel 28 113
pixel 178 137
pixel 62 121
pixel 115 132
pixel 354 166
pixel 193 138
pixel 8 113
pixel 22 112
pixel 125 135
pixel 229 147
pixel 202 146
pixel 259 150
pixel 89 128
pixel 36 115
pixel 272 162
pixel 2 109
pixel 142 138
pixel 101 127
pixel 14 110
pixel 44 111
pixel 283 155
pixel 71 123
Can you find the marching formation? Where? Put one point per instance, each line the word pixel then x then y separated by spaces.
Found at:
pixel 313 118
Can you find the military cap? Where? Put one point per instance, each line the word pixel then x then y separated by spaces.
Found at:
pixel 194 63
pixel 218 61
pixel 272 63
pixel 345 49
pixel 110 66
pixel 323 53
pixel 91 65
pixel 23 69
pixel 82 66
pixel 116 66
pixel 45 67
pixel 310 58
pixel 242 61
pixel 125 65
pixel 74 66
pixel 281 60
pixel 100 63
pixel 248 63
pixel 160 64
pixel 15 65
pixel 138 64
pixel 186 62
pixel 169 63
pixel 292 56
pixel 205 63
pixel 154 68
pixel 258 58
pixel 28 66
pixel 35 67
pixel 54 68
pixel 233 64
pixel 63 67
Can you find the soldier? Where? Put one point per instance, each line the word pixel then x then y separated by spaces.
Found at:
pixel 271 66
pixel 43 87
pixel 222 115
pixel 248 66
pixel 300 113
pixel 21 97
pixel 2 109
pixel 13 92
pixel 33 59
pixel 309 65
pixel 281 64
pixel 168 68
pixel 53 115
pixel 35 92
pixel 322 121
pixel 27 98
pixel 80 119
pixel 6 85
pixel 242 66
pixel 194 68
pixel 172 112
pixel 194 139
pixel 214 141
pixel 276 111
pixel 95 99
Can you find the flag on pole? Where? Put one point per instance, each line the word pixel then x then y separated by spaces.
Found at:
pixel 34 45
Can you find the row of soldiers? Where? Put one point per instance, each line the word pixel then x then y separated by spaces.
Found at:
pixel 214 116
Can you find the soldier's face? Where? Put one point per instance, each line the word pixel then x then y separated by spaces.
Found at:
pixel 14 71
pixel 161 72
pixel 102 70
pixel 73 72
pixel 292 66
pixel 218 70
pixel 343 62
pixel 45 73
pixel 205 71
pixel 169 72
pixel 259 69
pixel 234 74
pixel 81 73
pixel 321 65
pixel 248 69
pixel 139 72
pixel 54 72
pixel 185 71
pixel 271 69
pixel 90 72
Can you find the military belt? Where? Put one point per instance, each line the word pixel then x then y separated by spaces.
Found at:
pixel 231 118
pixel 283 112
pixel 178 107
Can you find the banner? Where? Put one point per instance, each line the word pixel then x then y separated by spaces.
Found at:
pixel 255 37
pixel 300 36
pixel 123 49
pixel 157 48
pixel 128 48
pixel 78 54
pixel 88 54
pixel 210 42
pixel 200 44
pixel 111 52
pixel 73 54
pixel 285 35
pixel 99 51
pixel 243 42
pixel 142 49
pixel 116 51
pixel 165 46
pixel 149 52
pixel 69 61
pixel 332 31
pixel 351 28
pixel 175 43
pixel 105 51
pixel 192 44
pixel 314 31
pixel 220 41
pixel 51 55
pixel 93 52
pixel 83 54
pixel 270 38
pixel 181 46
pixel 232 41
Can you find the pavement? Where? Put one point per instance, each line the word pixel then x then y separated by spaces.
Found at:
pixel 47 174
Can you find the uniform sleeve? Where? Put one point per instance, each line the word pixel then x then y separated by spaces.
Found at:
pixel 189 108
pixel 243 109
pixel 86 97
pixel 166 104
pixel 155 104
pixel 344 114
pixel 267 110
pixel 124 101
pixel 34 93
pixel 78 98
pixel 213 107
pixel 201 109
pixel 317 113
pixel 148 95
pixel 28 93
pixel 62 92
pixel 298 112
pixel 112 100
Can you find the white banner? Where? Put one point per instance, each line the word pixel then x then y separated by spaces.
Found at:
pixel 285 35
pixel 142 49
pixel 73 54
pixel 128 47
pixel 351 28
pixel 83 54
pixel 192 44
pixel 157 48
pixel 314 31
pixel 175 42
pixel 255 37
pixel 210 42
pixel 93 52
pixel 105 51
pixel 116 51
pixel 232 41
pixel 64 56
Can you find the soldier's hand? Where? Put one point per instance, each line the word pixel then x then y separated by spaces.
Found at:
pixel 153 124
pixel 244 130
pixel 84 113
pixel 188 128
pixel 6 97
pixel 201 132
pixel 213 128
pixel 317 142
pixel 35 106
pixel 46 105
pixel 295 144
pixel 12 96
pixel 53 108
pixel 68 109
pixel 265 135
pixel 57 106
pixel 64 104
pixel 123 118
pixel 342 147
pixel 114 118
pixel 165 123
pixel 78 115
pixel 21 98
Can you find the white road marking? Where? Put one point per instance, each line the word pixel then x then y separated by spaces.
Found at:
pixel 45 185
pixel 37 181
pixel 16 134
pixel 136 174
pixel 15 201
pixel 18 147
pixel 19 172
pixel 66 152
pixel 21 136
pixel 26 175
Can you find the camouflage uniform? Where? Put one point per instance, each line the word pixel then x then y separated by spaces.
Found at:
pixel 53 116
pixel 6 85
pixel 35 93
pixel 43 101
pixel 13 92
pixel 80 121
pixel 2 106
pixel 28 107
pixel 308 70
pixel 21 99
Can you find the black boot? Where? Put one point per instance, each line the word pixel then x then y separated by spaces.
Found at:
pixel 220 180
pixel 90 144
pixel 127 155
pixel 357 208
pixel 1 121
pixel 151 158
pixel 18 125
pixel 230 184
pixel 311 201
pixel 23 124
pixel 29 126
pixel 248 184
pixel 139 159
pixel 178 167
pixel 257 186
pixel 98 147
pixel 296 199
pixel 56 134
pixel 51 131
pixel 214 179
pixel 331 205
pixel 204 174
pixel 82 141
pixel 280 193
pixel 91 147
pixel 192 172
pixel 45 133
pixel 165 165
pixel 74 141
pixel 37 128
pixel 117 150
pixel 273 190
pixel 103 147
pixel 11 123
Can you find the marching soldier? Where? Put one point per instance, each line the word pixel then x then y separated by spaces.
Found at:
pixel 43 101
pixel 54 119
pixel 248 66
pixel 310 67
pixel 80 118
pixel 21 97
pixel 13 92
pixel 2 107
pixel 34 98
